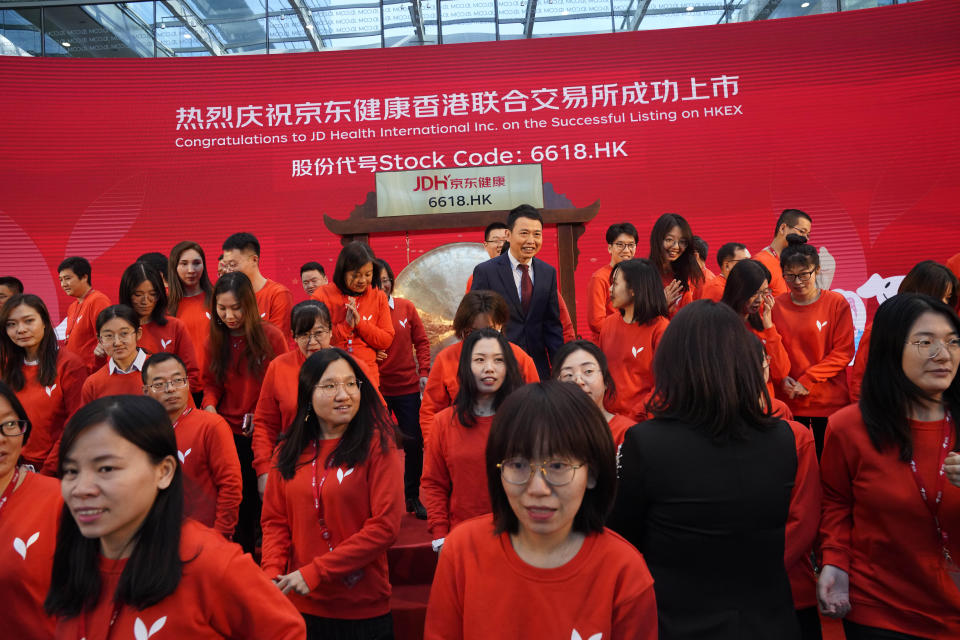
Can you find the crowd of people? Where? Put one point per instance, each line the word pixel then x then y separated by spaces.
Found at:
pixel 205 459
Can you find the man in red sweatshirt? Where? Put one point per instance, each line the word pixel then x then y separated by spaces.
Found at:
pixel 790 221
pixel 76 282
pixel 241 252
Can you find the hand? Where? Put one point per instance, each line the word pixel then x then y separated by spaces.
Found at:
pixel 673 293
pixel 833 592
pixel 353 316
pixel 951 467
pixel 292 582
pixel 423 383
pixel 800 390
pixel 789 387
pixel 262 484
pixel 381 356
pixel 766 310
pixel 99 352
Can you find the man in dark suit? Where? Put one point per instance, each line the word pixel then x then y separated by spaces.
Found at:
pixel 529 286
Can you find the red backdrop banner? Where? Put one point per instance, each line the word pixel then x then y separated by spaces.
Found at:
pixel 851 117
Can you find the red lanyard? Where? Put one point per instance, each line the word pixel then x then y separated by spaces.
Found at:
pixel 10 488
pixel 182 416
pixel 934 508
pixel 317 502
pixel 117 607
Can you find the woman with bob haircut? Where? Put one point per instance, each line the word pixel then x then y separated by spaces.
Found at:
pixel 926 277
pixel 477 310
pixel 706 485
pixel 358 308
pixel 46 378
pixel 334 501
pixel 126 562
pixel 675 258
pixel 817 330
pixel 583 363
pixel 748 293
pixel 452 487
pixel 141 289
pixel 629 338
pixel 891 482
pixel 30 506
pixel 190 292
pixel 118 330
pixel 543 565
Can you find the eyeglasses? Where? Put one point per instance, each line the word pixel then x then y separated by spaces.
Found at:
pixel 307 338
pixel 587 375
pixel 123 336
pixel 495 241
pixel 930 349
pixel 669 242
pixel 556 472
pixel 620 246
pixel 802 232
pixel 803 276
pixel 14 428
pixel 329 389
pixel 172 383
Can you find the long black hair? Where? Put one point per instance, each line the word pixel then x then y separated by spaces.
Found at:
pixel 370 421
pixel 685 268
pixel 641 277
pixel 933 279
pixel 135 275
pixel 173 278
pixel 12 356
pixel 743 282
pixel 467 393
pixel 154 568
pixel 887 394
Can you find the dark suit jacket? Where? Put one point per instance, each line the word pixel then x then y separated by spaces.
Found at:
pixel 538 332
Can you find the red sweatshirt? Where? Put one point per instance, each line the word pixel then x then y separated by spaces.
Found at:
pixel 194 313
pixel 49 407
pixel 629 349
pixel 618 428
pixel 211 469
pixel 362 507
pixel 374 330
pixel 275 302
pixel 400 374
pixel 855 377
pixel 772 262
pixel 453 486
pixel 713 289
pixel 222 594
pixel 598 299
pixel 240 389
pixel 482 589
pixel 28 535
pixel 779 359
pixel 81 333
pixel 803 520
pixel 173 338
pixel 876 527
pixel 708 277
pixel 104 383
pixel 442 385
pixel 818 338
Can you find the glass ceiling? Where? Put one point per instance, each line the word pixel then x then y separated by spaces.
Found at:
pixel 227 27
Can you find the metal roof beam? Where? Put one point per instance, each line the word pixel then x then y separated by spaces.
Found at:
pixel 309 26
pixel 195 25
pixel 530 18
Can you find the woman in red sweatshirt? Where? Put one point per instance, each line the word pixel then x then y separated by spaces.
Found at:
pixel 583 363
pixel 118 330
pixel 29 507
pixel 452 487
pixel 543 565
pixel 141 289
pixel 277 405
pixel 629 338
pixel 673 254
pixel 46 378
pixel 817 330
pixel 239 349
pixel 333 503
pixel 358 308
pixel 127 564
pixel 190 292
pixel 890 532
pixel 402 380
pixel 748 293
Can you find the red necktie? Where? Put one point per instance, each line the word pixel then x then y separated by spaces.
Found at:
pixel 526 288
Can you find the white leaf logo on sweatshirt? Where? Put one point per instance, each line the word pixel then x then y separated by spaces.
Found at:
pixel 79 317
pixel 636 350
pixel 341 474
pixel 263 315
pixel 821 325
pixel 183 455
pixel 576 636
pixel 403 323
pixel 370 317
pixel 140 629
pixel 208 315
pixel 21 548
pixel 165 343
pixel 50 389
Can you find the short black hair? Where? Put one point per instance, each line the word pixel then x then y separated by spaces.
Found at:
pixel 312 266
pixel 353 256
pixel 727 251
pixel 573 346
pixel 121 311
pixel 159 358
pixel 523 211
pixel 242 241
pixel 798 253
pixel 791 217
pixel 493 226
pixel 385 268
pixel 552 418
pixel 13 283
pixel 80 267
pixel 305 314
pixel 614 231
pixel 701 247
